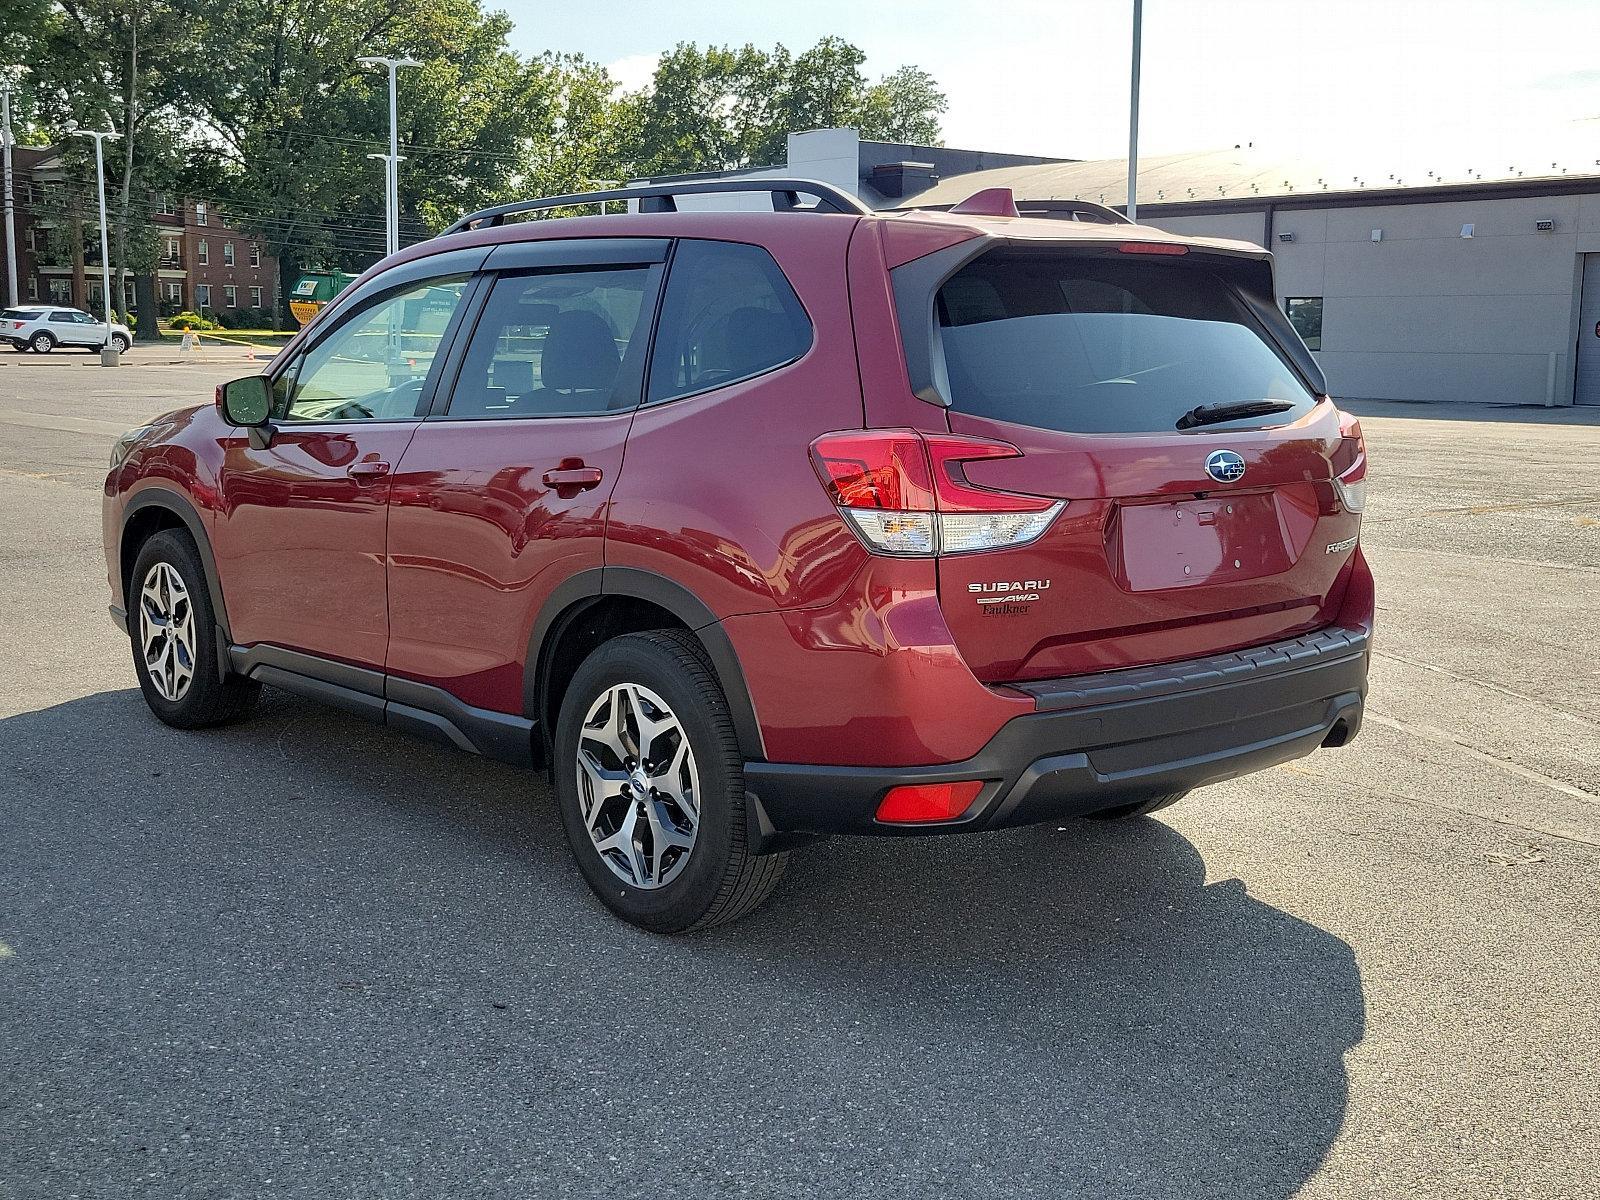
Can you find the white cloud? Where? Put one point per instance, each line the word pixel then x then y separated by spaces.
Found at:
pixel 633 71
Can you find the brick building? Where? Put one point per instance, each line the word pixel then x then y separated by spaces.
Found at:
pixel 205 264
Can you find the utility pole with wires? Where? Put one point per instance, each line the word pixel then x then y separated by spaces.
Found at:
pixel 108 354
pixel 9 78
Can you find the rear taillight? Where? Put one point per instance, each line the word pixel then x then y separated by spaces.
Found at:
pixel 906 494
pixel 1350 464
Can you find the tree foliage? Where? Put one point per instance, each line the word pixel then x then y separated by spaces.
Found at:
pixel 722 108
pixel 262 106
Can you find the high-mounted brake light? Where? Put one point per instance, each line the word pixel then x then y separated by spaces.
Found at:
pixel 905 493
pixel 1152 248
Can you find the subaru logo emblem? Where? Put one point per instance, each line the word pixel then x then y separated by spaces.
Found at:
pixel 1225 466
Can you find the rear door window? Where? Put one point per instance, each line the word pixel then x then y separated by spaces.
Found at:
pixel 729 314
pixel 556 344
pixel 1099 344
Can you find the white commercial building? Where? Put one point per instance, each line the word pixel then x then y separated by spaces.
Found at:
pixel 1482 289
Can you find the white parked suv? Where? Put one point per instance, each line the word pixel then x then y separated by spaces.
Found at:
pixel 43 327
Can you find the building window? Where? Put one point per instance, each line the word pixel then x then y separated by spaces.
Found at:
pixel 1305 314
pixel 230 295
pixel 164 206
pixel 227 254
pixel 174 292
pixel 200 212
pixel 255 297
pixel 202 253
pixel 33 242
pixel 255 256
pixel 61 291
pixel 171 254
pixel 33 287
pixel 202 295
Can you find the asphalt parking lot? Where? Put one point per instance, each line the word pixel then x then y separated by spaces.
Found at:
pixel 308 957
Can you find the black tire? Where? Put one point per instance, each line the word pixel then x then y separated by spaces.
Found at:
pixel 20 347
pixel 120 343
pixel 1126 812
pixel 721 880
pixel 42 343
pixel 208 697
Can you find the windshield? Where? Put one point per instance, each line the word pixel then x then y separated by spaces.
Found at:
pixel 1099 344
pixel 17 314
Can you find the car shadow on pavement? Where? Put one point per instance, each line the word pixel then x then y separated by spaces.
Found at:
pixel 307 949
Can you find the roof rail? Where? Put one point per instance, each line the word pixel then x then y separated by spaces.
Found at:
pixel 1060 210
pixel 661 197
pixel 1073 210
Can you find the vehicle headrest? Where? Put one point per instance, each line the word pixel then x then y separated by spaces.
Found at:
pixel 580 353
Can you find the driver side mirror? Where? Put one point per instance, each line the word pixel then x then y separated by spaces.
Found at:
pixel 246 401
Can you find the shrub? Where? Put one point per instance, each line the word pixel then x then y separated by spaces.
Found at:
pixel 191 320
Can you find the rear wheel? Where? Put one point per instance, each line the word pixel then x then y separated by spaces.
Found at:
pixel 651 787
pixel 42 343
pixel 1126 812
pixel 172 625
pixel 20 347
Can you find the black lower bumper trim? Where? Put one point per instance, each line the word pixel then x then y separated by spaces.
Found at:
pixel 1103 741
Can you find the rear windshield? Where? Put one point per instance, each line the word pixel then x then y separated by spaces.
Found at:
pixel 1089 344
pixel 17 314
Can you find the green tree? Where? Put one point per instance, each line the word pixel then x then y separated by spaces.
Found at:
pixel 722 108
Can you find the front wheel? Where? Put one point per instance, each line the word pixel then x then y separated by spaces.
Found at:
pixel 42 343
pixel 650 783
pixel 172 624
pixel 120 343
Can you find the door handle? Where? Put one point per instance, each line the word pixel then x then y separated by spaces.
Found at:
pixel 573 475
pixel 370 469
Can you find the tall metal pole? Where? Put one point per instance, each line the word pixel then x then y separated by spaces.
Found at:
pixel 391 175
pixel 105 248
pixel 11 219
pixel 1133 116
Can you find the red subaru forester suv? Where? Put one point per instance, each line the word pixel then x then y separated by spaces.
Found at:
pixel 754 527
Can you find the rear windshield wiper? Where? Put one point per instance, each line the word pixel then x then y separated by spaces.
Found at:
pixel 1231 410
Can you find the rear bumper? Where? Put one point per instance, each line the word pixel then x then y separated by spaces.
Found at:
pixel 1100 741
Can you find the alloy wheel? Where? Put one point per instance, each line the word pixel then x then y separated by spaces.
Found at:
pixel 166 631
pixel 638 787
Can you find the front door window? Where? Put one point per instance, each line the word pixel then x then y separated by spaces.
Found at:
pixel 372 368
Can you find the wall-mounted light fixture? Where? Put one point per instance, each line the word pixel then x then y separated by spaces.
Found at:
pixel 1545 224
pixel 1377 235
pixel 1286 237
pixel 1466 230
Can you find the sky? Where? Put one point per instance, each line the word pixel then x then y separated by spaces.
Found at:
pixel 1373 82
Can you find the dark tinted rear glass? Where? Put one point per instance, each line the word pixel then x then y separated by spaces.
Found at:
pixel 1103 345
pixel 17 314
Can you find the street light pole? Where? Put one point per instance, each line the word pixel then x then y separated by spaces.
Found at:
pixel 1133 116
pixel 392 170
pixel 100 137
pixel 8 82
